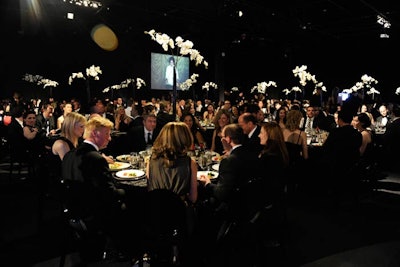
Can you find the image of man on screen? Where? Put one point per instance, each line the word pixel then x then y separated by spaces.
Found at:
pixel 169 73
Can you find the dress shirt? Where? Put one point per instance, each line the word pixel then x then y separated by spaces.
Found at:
pixel 93 144
pixel 309 123
pixel 148 137
pixel 251 132
pixel 21 122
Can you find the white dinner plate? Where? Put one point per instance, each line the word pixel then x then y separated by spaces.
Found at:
pixel 130 174
pixel 216 158
pixel 215 167
pixel 116 166
pixel 124 158
pixel 211 174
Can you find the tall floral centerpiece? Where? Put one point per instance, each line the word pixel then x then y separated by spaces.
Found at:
pixel 261 89
pixel 92 72
pixel 39 80
pixel 184 48
pixel 125 84
pixel 304 77
pixel 206 86
pixel 367 83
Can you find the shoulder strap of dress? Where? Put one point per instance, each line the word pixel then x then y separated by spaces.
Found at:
pixel 298 139
pixel 71 146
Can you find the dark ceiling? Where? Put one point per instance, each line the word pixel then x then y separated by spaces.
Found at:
pixel 292 32
pixel 262 21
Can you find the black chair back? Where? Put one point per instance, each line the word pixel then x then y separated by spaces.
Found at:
pixel 165 229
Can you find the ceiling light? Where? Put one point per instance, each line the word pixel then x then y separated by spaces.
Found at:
pixel 85 3
pixel 384 36
pixel 70 15
pixel 382 21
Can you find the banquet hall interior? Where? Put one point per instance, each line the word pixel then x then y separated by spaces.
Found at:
pixel 46 42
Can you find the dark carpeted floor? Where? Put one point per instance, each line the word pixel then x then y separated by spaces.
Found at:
pixel 318 233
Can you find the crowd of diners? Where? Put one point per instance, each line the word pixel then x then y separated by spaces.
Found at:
pixel 263 141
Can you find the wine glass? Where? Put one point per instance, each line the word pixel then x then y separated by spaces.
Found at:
pixel 134 160
pixel 203 161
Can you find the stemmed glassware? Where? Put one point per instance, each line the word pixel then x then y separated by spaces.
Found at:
pixel 134 160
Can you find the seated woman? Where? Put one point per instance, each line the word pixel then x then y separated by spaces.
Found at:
pixel 122 121
pixel 209 114
pixel 66 110
pixel 295 139
pixel 296 144
pixel 169 166
pixel 188 119
pixel 222 119
pixel 35 141
pixel 362 122
pixel 71 131
pixel 271 168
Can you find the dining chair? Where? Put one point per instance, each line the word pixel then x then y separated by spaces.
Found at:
pixel 252 220
pixel 79 234
pixel 165 228
pixel 20 162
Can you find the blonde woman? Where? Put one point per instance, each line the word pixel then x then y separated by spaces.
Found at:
pixel 222 119
pixel 71 130
pixel 122 121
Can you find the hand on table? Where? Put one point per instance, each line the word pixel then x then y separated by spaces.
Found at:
pixel 109 159
pixel 204 179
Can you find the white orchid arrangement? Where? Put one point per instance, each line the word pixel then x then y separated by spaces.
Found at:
pixel 305 77
pixel 39 80
pixel 293 89
pixel 367 82
pixel 207 86
pixel 184 47
pixel 93 71
pixel 124 84
pixel 262 87
pixel 189 82
pixel 319 85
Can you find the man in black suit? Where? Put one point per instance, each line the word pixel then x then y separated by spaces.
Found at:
pixel 311 119
pixel 45 121
pixel 230 204
pixel 340 153
pixel 15 136
pixel 383 120
pixel 141 137
pixel 248 122
pixel 136 115
pixel 164 116
pixel 391 141
pixel 94 196
pixel 235 169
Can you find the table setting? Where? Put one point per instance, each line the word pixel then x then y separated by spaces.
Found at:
pixel 129 169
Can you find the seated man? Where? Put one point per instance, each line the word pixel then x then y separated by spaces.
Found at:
pixel 141 137
pixel 93 195
pixel 234 172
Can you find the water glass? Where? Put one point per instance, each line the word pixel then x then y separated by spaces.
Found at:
pixel 134 159
pixel 202 161
pixel 208 155
pixel 142 164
